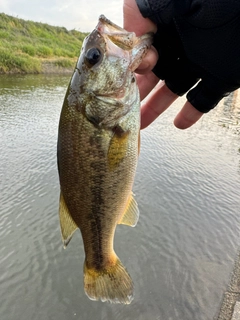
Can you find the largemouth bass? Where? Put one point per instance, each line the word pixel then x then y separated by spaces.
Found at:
pixel 98 144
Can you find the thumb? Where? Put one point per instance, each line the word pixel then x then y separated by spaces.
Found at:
pixel 133 20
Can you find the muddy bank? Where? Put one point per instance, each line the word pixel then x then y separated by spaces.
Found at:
pixel 52 68
pixel 46 67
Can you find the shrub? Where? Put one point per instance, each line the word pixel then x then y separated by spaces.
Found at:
pixel 64 63
pixel 29 49
pixel 44 51
pixel 18 62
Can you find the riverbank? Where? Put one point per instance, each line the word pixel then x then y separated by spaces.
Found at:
pixel 45 66
pixel 33 47
pixel 230 309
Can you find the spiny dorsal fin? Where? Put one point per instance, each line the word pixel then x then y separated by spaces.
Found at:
pixel 131 214
pixel 68 226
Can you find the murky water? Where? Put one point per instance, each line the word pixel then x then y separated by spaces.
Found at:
pixel 181 253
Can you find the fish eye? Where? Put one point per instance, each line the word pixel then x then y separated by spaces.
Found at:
pixel 92 56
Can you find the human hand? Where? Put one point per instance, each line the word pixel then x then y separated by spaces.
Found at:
pixel 159 96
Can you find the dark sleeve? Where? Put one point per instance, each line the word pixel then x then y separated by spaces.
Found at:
pixel 162 11
pixel 197 40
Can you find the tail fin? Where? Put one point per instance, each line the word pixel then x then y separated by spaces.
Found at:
pixel 112 284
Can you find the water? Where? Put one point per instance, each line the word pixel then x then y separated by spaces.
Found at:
pixel 181 253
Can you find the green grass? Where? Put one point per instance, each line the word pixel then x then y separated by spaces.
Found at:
pixel 26 45
pixel 63 62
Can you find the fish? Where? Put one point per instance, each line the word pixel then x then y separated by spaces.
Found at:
pixel 97 154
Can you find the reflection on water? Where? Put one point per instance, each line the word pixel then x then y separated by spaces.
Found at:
pixel 182 251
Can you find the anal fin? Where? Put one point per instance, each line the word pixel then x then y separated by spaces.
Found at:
pixel 68 226
pixel 131 213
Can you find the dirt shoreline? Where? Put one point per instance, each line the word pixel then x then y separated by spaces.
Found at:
pixel 47 67
pixel 50 68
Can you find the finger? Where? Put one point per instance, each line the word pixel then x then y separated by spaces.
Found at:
pixel 187 116
pixel 148 62
pixel 146 83
pixel 158 101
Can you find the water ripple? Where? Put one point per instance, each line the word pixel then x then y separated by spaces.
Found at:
pixel 181 253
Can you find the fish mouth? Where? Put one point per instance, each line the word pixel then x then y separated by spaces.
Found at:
pixel 109 99
pixel 119 36
pixel 117 94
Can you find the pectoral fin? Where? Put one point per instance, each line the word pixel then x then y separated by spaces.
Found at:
pixel 68 226
pixel 131 214
pixel 117 147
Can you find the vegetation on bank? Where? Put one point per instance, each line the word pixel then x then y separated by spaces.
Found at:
pixel 26 46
